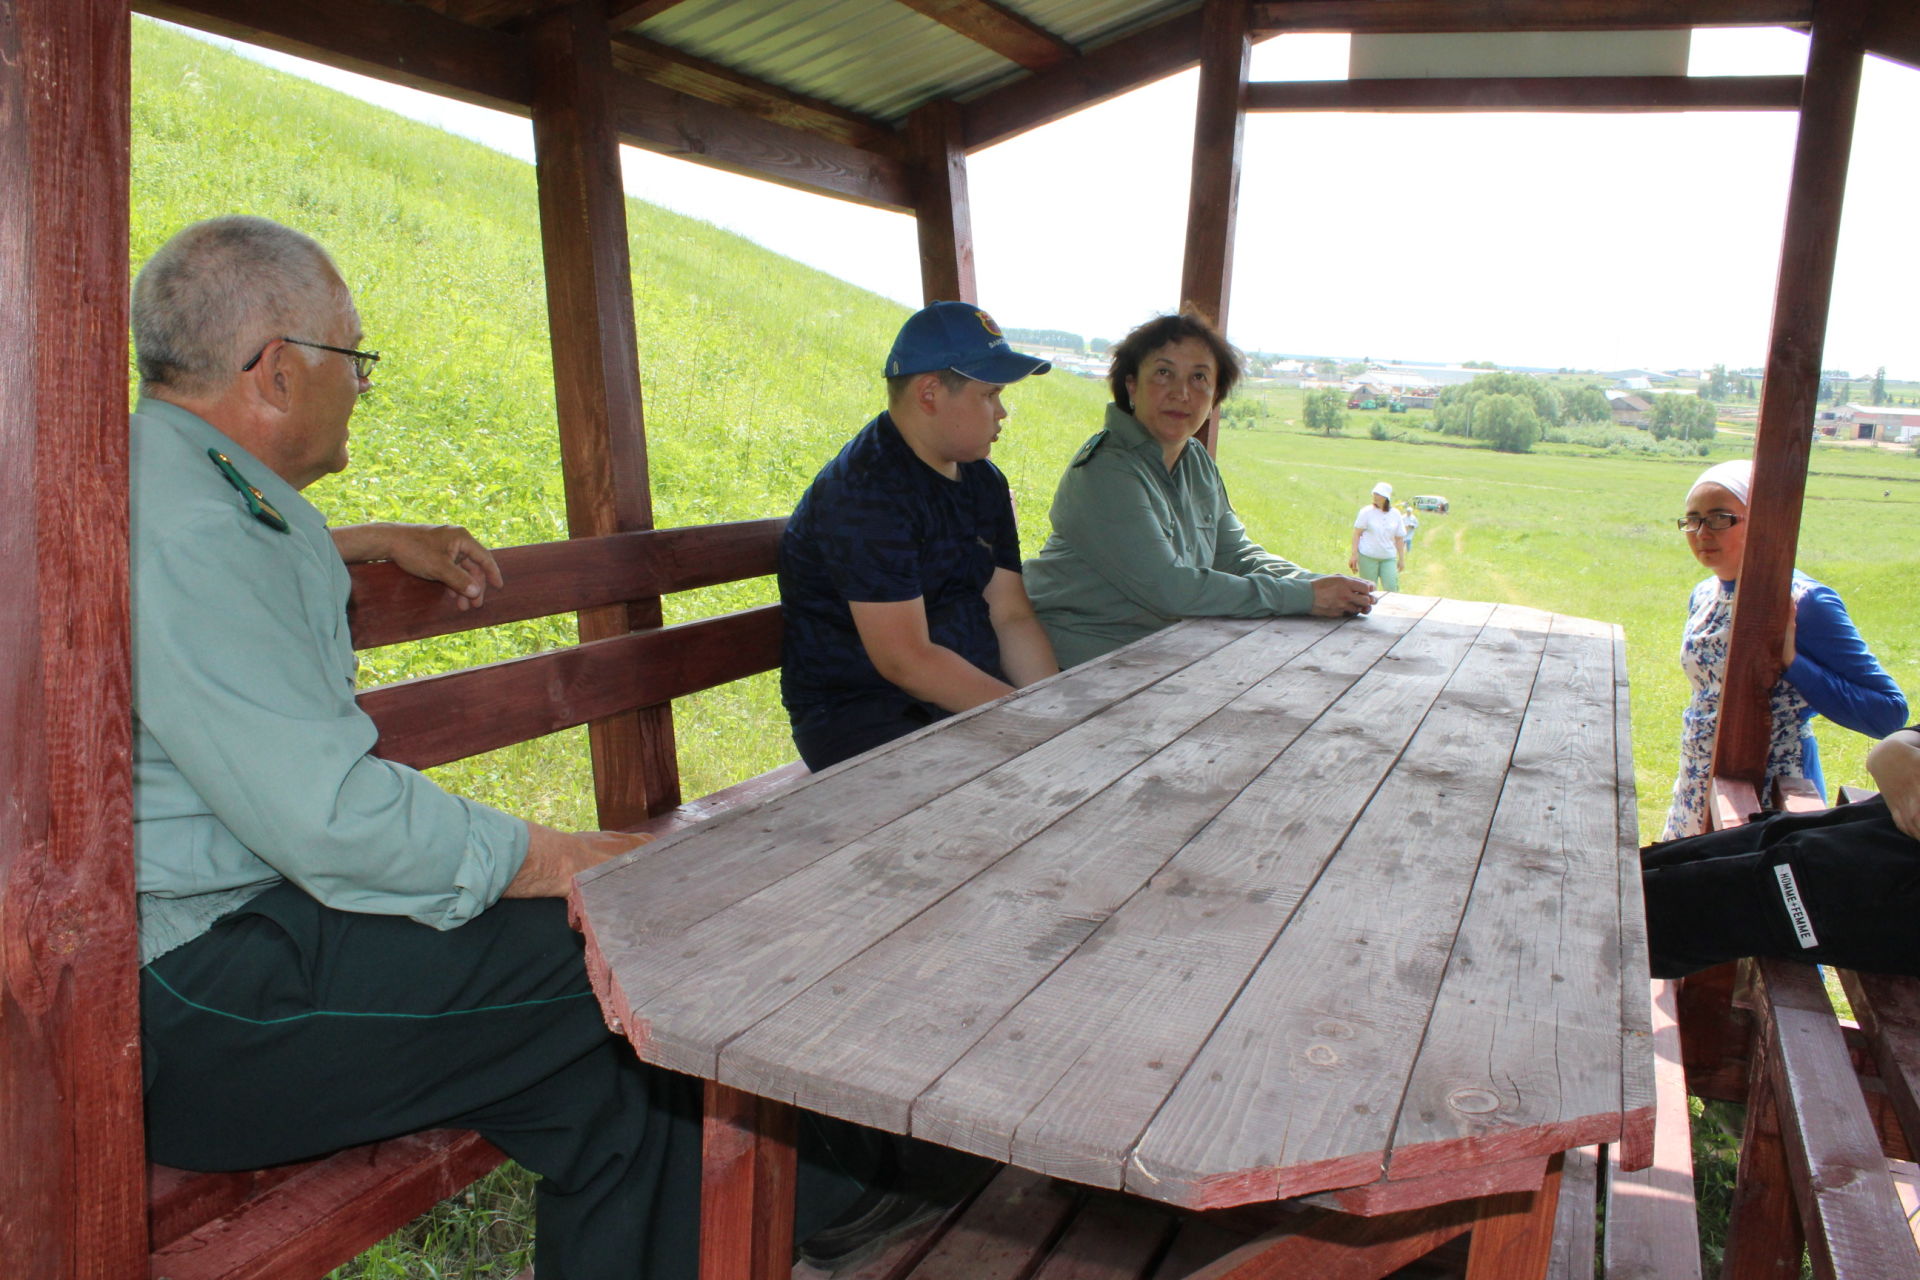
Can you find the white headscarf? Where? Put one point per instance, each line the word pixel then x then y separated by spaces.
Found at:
pixel 1736 477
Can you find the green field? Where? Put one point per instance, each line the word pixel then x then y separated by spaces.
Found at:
pixel 756 369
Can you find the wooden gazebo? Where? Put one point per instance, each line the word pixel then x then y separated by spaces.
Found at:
pixel 886 119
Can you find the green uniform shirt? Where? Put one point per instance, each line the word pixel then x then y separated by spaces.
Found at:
pixel 1137 547
pixel 249 753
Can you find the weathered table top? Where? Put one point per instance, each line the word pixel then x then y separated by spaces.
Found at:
pixel 1246 910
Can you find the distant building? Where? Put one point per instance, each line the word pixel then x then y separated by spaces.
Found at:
pixel 1877 422
pixel 1627 407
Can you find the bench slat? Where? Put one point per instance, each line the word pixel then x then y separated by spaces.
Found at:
pixel 435 719
pixel 390 605
pixel 1652 1226
pixel 1888 1010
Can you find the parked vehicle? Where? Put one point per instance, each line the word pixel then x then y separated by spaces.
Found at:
pixel 1430 502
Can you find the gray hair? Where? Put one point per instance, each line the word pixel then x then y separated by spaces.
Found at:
pixel 218 290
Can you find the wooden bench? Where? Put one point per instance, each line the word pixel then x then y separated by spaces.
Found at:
pixel 302 1220
pixel 1829 1104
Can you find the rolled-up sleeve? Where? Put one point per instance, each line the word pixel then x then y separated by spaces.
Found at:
pixel 239 681
pixel 1124 531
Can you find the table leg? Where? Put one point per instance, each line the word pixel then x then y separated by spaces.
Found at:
pixel 1513 1236
pixel 746 1187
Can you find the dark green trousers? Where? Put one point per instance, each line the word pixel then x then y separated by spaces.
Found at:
pixel 290 1030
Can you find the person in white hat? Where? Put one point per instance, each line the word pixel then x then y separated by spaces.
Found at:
pixel 1379 549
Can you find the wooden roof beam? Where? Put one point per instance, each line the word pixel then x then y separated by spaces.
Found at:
pixel 1386 17
pixel 999 29
pixel 711 82
pixel 1150 54
pixel 623 15
pixel 409 45
pixel 1537 93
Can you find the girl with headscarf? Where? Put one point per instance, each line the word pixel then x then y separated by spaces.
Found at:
pixel 1826 668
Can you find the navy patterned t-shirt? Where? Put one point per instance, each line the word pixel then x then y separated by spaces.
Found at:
pixel 878 525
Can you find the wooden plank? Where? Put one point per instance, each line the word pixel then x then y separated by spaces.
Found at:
pixel 711 82
pixel 434 719
pixel 1653 1229
pixel 1110 1239
pixel 1638 1083
pixel 1214 193
pixel 1336 1246
pixel 603 443
pixel 1513 1235
pixel 1316 1105
pixel 1764 1239
pixel 1790 393
pixel 1888 1010
pixel 682 880
pixel 999 28
pixel 1535 93
pixel 1848 1206
pixel 713 982
pixel 625 14
pixel 73 1180
pixel 390 605
pixel 906 1250
pixel 1731 802
pixel 943 217
pixel 1401 1194
pixel 1522 1054
pixel 1893 31
pixel 746 1187
pixel 867 1040
pixel 1122 1018
pixel 1796 795
pixel 1715 1033
pixel 1577 1214
pixel 1138 58
pixel 329 1211
pixel 1386 17
pixel 1005 1231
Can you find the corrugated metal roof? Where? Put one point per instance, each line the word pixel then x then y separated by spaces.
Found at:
pixel 878 57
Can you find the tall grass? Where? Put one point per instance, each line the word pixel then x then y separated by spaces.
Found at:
pixel 756 369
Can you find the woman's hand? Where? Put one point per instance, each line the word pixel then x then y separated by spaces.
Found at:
pixel 1894 763
pixel 1335 596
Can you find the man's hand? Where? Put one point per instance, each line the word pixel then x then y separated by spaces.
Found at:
pixel 444 553
pixel 1894 763
pixel 1335 596
pixel 554 858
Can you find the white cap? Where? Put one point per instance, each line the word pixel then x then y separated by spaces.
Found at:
pixel 1383 490
pixel 1735 476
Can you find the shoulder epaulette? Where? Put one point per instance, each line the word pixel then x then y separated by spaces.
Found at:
pixel 1088 449
pixel 257 504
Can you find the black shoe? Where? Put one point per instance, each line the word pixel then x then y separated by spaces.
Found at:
pixel 877 1216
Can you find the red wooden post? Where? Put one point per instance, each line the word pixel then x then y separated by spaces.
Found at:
pixel 603 447
pixel 939 159
pixel 1787 402
pixel 1215 195
pixel 72 1163
pixel 746 1187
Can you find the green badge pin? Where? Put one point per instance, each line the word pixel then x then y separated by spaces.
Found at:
pixel 1088 449
pixel 257 503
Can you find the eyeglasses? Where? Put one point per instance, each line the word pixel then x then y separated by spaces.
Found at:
pixel 1718 521
pixel 363 361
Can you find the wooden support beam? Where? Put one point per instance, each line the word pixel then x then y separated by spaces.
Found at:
pixel 1893 31
pixel 1141 58
pixel 711 82
pixel 1000 29
pixel 1788 397
pixel 73 1180
pixel 944 219
pixel 603 447
pixel 1535 93
pixel 1390 17
pixel 623 15
pixel 409 45
pixel 1214 198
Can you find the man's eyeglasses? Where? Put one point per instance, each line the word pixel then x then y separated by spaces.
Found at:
pixel 1718 521
pixel 363 361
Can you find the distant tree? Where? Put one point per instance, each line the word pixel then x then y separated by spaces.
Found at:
pixel 1327 410
pixel 1824 393
pixel 1100 346
pixel 1047 338
pixel 1324 369
pixel 1454 411
pixel 1508 421
pixel 1478 364
pixel 1588 404
pixel 1683 416
pixel 1880 385
pixel 1840 392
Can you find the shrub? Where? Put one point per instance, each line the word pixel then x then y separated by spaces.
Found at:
pixel 1507 421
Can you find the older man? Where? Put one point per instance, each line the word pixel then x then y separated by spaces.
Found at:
pixel 335 950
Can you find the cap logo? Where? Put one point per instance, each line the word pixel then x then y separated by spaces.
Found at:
pixel 986 322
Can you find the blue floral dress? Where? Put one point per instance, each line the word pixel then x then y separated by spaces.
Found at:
pixel 1832 674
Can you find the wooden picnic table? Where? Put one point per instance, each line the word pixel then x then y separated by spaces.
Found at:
pixel 1248 910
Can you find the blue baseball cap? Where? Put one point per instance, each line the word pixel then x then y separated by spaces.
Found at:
pixel 961 337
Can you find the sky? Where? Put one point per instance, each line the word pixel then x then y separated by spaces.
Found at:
pixel 1584 241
